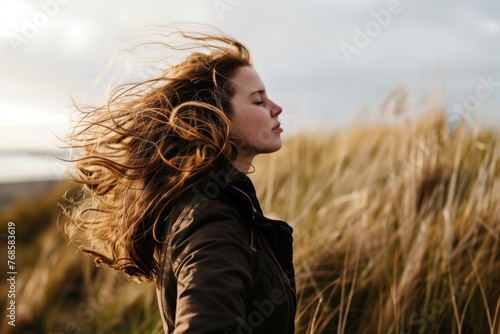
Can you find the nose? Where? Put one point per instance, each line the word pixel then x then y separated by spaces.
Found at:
pixel 275 109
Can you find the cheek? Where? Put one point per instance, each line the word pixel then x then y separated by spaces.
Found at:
pixel 239 127
pixel 241 121
pixel 249 125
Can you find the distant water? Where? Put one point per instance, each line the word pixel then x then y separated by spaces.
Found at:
pixel 29 167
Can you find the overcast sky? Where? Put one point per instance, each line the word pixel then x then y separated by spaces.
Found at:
pixel 328 63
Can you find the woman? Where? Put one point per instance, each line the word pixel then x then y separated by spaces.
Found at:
pixel 166 196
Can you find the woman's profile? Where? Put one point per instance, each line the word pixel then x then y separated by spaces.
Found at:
pixel 166 197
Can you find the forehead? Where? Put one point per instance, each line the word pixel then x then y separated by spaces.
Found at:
pixel 247 80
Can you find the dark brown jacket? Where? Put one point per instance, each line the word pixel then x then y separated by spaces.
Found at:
pixel 224 267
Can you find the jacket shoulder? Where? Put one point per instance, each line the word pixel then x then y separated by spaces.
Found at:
pixel 198 213
pixel 204 224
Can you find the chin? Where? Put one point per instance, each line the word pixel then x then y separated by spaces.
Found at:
pixel 273 148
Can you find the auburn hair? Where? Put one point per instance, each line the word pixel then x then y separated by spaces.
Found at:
pixel 149 144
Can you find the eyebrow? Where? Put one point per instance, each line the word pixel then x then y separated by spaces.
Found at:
pixel 260 91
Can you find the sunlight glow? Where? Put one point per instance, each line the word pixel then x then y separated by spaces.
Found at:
pixel 75 31
pixel 13 115
pixel 490 27
pixel 11 14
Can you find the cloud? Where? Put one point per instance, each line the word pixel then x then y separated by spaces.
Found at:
pixel 294 44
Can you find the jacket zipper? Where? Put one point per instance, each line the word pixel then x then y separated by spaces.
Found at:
pixel 293 302
pixel 252 246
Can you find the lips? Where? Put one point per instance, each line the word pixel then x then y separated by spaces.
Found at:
pixel 277 128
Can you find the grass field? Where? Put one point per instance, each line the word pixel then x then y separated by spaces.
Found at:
pixel 396 230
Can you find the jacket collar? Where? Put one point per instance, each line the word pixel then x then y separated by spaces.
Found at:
pixel 244 185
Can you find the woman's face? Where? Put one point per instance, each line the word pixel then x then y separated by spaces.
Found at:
pixel 254 117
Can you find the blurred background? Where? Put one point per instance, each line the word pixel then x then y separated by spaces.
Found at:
pixel 332 65
pixel 329 63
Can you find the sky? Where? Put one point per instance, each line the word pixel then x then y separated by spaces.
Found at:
pixel 328 63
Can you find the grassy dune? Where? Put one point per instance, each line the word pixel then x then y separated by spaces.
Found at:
pixel 396 231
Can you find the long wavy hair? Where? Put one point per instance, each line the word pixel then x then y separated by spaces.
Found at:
pixel 149 144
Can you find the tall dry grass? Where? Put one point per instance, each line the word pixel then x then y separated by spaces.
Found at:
pixel 396 231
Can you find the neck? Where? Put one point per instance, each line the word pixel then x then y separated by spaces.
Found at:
pixel 243 162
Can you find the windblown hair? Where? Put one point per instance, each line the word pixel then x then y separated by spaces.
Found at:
pixel 152 142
